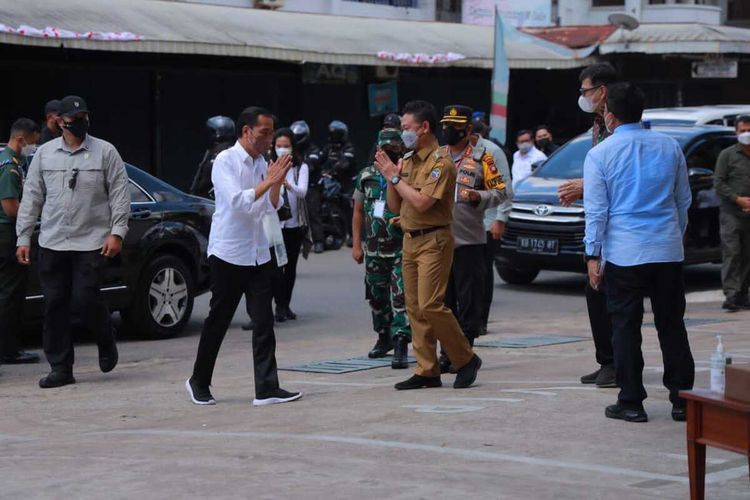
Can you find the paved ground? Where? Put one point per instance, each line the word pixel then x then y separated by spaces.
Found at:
pixel 527 430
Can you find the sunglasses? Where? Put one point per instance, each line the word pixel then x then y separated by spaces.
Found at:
pixel 73 179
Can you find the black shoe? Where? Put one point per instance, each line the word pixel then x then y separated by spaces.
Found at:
pixel 20 358
pixel 57 379
pixel 743 300
pixel 445 364
pixel 199 395
pixel 319 248
pixel 400 353
pixel 606 377
pixel 591 377
pixel 418 382
pixel 277 397
pixel 619 413
pixel 731 304
pixel 249 326
pixel 279 317
pixel 381 347
pixel 679 414
pixel 289 314
pixel 108 358
pixel 467 374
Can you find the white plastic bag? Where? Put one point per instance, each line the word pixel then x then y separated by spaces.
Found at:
pixel 272 229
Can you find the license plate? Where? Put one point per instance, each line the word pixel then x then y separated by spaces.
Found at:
pixel 538 245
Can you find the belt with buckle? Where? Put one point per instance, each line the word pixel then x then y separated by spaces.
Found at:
pixel 422 232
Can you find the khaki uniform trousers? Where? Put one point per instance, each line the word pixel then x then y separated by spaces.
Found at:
pixel 426 268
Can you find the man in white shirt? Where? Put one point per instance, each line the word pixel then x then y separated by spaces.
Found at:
pixel 246 189
pixel 526 156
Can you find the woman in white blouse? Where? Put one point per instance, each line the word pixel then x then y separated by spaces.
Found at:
pixel 295 227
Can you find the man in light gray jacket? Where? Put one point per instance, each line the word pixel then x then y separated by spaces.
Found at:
pixel 79 186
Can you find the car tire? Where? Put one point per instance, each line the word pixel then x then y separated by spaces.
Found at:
pixel 163 299
pixel 516 275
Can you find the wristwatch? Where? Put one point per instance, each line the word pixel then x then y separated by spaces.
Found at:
pixel 395 179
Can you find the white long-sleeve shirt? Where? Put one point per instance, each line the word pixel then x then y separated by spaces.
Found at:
pixel 522 164
pixel 237 235
pixel 296 193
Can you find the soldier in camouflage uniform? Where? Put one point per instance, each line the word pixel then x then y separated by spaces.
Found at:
pixel 383 240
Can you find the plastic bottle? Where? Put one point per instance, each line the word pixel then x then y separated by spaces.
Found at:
pixel 718 367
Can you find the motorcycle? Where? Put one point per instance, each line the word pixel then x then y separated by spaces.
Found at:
pixel 332 214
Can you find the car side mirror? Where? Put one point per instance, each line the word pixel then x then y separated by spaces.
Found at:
pixel 699 173
pixel 537 164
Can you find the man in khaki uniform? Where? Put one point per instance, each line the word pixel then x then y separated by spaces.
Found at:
pixel 421 188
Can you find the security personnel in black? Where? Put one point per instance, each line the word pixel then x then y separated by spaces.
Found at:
pixel 311 154
pixel 13 276
pixel 337 159
pixel 51 129
pixel 222 136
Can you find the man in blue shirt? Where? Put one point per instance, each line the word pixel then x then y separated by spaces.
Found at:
pixel 636 196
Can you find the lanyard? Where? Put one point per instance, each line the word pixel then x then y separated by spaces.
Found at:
pixel 383 188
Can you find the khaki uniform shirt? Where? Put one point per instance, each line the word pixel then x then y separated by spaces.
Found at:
pixel 431 172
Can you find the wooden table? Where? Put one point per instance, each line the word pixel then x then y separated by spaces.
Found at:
pixel 714 421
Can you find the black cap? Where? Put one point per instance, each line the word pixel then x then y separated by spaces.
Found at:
pixel 71 105
pixel 457 114
pixel 392 120
pixel 52 106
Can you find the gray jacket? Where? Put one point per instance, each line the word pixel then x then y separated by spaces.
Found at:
pixel 82 196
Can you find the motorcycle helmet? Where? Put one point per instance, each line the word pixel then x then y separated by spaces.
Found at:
pixel 221 129
pixel 338 132
pixel 301 131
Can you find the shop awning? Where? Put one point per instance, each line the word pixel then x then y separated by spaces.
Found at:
pixel 184 28
pixel 678 39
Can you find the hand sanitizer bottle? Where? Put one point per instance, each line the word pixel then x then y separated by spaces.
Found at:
pixel 718 367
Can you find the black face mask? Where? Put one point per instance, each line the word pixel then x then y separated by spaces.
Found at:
pixel 542 143
pixel 78 127
pixel 453 135
pixel 394 156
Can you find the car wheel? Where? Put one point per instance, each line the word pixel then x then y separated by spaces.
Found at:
pixel 163 300
pixel 515 275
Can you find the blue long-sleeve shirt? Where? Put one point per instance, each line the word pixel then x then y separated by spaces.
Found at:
pixel 636 196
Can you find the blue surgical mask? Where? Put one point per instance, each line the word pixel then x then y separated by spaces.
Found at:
pixel 410 139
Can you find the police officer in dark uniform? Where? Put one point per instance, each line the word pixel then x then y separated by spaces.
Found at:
pixel 311 154
pixel 13 276
pixel 337 159
pixel 221 129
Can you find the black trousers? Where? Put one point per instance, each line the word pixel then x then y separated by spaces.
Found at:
pixel 71 283
pixel 601 322
pixel 489 278
pixel 13 278
pixel 314 202
pixel 626 289
pixel 228 284
pixel 283 283
pixel 465 287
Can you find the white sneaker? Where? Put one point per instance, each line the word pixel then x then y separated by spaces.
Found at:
pixel 277 397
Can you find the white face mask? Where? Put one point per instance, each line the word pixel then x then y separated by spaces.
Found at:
pixel 283 151
pixel 744 138
pixel 28 150
pixel 586 104
pixel 525 147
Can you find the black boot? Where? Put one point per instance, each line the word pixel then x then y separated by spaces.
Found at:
pixel 382 346
pixel 400 353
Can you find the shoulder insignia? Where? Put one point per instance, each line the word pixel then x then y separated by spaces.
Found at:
pixel 490 161
pixel 435 174
pixel 408 155
pixel 14 171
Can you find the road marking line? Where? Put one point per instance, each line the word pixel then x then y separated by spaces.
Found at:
pixel 443 408
pixel 502 400
pixel 399 445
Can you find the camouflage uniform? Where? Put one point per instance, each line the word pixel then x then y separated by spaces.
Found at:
pixel 384 283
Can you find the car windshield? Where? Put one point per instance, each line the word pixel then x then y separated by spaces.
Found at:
pixel 566 162
pixel 670 121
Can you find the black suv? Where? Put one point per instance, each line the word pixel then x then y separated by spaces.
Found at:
pixel 163 264
pixel 542 234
